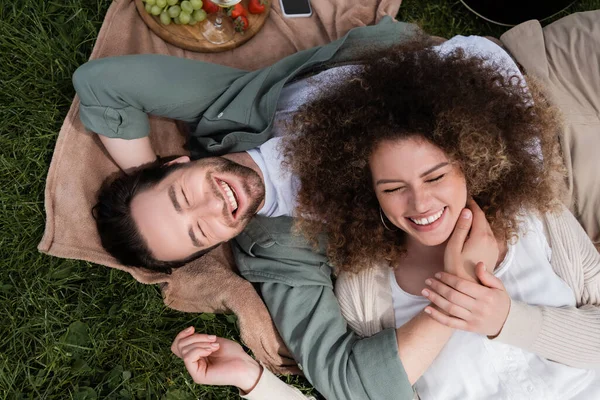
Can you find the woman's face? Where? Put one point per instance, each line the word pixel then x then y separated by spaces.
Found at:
pixel 418 188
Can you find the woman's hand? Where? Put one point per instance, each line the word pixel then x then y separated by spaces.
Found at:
pixel 469 306
pixel 462 255
pixel 213 360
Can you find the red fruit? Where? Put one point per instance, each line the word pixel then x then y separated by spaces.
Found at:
pixel 257 6
pixel 241 23
pixel 209 7
pixel 236 11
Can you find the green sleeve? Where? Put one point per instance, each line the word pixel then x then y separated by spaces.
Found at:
pixel 117 93
pixel 296 286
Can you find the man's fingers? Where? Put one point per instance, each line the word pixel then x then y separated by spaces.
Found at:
pixel 461 231
pixel 480 223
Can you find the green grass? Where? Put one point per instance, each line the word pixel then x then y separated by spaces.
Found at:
pixel 72 329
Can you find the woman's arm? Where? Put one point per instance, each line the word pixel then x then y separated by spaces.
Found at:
pixel 569 335
pixel 212 360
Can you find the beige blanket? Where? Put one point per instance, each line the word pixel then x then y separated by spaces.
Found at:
pixel 80 164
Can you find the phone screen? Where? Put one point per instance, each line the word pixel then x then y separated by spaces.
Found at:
pixel 292 7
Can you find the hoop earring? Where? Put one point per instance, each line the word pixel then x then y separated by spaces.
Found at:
pixel 383 221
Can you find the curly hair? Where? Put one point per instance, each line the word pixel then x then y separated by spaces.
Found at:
pixel 500 132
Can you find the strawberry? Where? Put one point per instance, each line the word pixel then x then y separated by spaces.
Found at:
pixel 241 23
pixel 210 7
pixel 236 11
pixel 257 6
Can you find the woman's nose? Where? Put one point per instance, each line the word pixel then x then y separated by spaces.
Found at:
pixel 421 199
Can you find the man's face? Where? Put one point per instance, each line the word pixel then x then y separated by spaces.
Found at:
pixel 201 204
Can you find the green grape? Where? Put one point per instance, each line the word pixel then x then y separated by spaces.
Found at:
pixel 192 21
pixel 199 15
pixel 161 3
pixel 148 8
pixel 184 17
pixel 196 4
pixel 177 21
pixel 155 10
pixel 172 2
pixel 164 18
pixel 187 7
pixel 174 11
pixel 151 2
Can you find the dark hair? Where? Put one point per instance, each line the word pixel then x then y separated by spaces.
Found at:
pixel 118 231
pixel 484 122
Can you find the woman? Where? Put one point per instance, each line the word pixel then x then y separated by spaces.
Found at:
pixel 451 126
pixel 386 168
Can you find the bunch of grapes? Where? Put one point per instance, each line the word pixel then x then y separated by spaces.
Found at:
pixel 181 12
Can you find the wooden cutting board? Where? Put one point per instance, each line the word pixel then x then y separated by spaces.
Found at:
pixel 189 37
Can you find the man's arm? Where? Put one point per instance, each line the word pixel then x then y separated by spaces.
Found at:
pixel 295 282
pixel 336 361
pixel 116 95
pixel 129 154
pixel 296 286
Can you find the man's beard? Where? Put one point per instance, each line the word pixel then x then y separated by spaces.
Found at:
pixel 251 183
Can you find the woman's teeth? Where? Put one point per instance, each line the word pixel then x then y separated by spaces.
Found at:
pixel 230 196
pixel 428 220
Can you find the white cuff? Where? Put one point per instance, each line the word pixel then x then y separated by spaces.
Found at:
pixel 270 387
pixel 522 325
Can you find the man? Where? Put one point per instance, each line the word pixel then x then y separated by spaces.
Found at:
pixel 166 215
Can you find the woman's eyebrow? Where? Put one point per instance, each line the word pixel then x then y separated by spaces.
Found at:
pixel 440 165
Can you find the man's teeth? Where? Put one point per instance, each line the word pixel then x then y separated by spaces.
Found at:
pixel 428 220
pixel 230 196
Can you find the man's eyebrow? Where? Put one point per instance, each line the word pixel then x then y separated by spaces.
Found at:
pixel 174 199
pixel 194 238
pixel 440 165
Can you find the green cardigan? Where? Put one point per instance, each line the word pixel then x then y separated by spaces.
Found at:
pixel 232 110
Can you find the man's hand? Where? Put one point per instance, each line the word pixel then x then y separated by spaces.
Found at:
pixel 212 360
pixel 466 248
pixel 469 306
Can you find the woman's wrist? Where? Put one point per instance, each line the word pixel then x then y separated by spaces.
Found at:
pixel 250 378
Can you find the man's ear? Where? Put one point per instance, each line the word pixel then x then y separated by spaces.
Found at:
pixel 178 160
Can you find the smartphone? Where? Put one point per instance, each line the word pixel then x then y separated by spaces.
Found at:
pixel 296 8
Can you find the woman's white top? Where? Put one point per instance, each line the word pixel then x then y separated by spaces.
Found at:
pixel 473 367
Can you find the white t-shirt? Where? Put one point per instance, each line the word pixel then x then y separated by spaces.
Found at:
pixel 280 187
pixel 472 367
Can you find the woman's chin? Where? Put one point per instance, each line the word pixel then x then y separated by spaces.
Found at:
pixel 431 240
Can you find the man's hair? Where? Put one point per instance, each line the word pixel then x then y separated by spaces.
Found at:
pixel 118 231
pixel 501 135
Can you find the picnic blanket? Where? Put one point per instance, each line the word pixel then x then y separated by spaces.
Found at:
pixel 565 58
pixel 80 164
